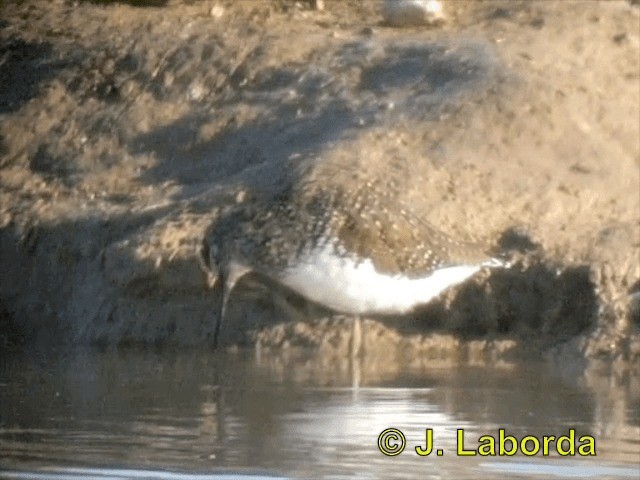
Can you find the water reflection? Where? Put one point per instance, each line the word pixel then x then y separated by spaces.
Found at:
pixel 296 415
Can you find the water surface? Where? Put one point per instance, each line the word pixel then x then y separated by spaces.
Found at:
pixel 220 416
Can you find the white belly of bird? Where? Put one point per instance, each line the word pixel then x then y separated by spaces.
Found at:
pixel 345 285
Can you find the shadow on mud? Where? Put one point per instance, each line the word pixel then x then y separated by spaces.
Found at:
pixel 538 301
pixel 54 275
pixel 25 66
pixel 303 109
pixel 3 150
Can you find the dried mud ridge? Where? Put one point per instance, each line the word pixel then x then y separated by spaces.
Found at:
pixel 127 129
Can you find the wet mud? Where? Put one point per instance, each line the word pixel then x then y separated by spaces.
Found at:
pixel 127 128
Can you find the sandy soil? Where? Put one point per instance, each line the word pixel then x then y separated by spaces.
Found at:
pixel 127 127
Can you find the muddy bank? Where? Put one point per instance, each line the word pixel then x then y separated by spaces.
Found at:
pixel 126 129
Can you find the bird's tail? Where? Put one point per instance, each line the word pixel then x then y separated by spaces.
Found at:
pixel 497 262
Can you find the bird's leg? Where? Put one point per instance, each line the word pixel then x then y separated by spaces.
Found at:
pixel 356 337
pixel 356 350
